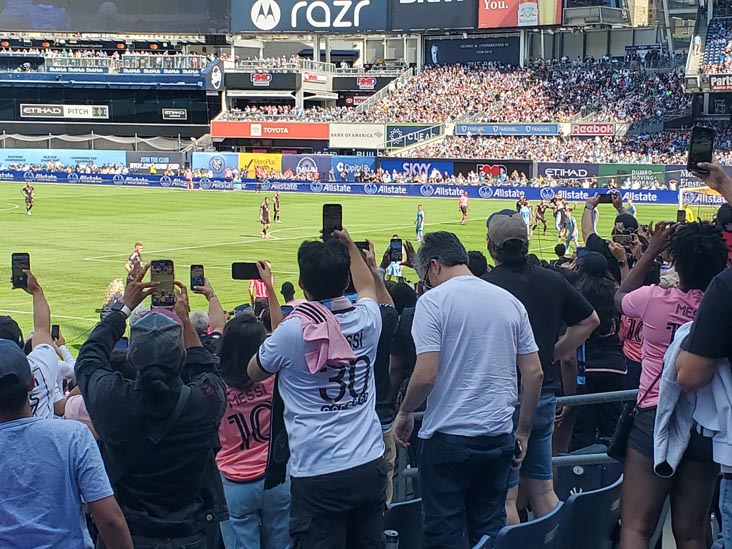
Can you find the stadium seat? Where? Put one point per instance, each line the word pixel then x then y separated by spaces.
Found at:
pixel 406 518
pixel 483 543
pixel 541 533
pixel 591 519
pixel 574 479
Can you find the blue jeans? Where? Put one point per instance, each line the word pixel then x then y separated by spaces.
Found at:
pixel 725 506
pixel 537 463
pixel 464 484
pixel 257 517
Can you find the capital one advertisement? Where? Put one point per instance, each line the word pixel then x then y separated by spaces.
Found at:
pixel 494 14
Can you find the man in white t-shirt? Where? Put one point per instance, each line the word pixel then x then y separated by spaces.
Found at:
pixel 470 337
pixel 336 444
pixel 46 399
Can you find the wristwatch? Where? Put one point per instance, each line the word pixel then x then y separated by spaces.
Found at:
pixel 621 264
pixel 589 207
pixel 119 307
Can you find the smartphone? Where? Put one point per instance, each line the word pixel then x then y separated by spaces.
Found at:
pixel 20 263
pixel 606 198
pixel 245 271
pixel 122 345
pixel 197 275
pixel 332 219
pixel 162 271
pixel 680 216
pixel 581 252
pixel 701 147
pixel 362 245
pixel 395 250
pixel 623 239
pixel 55 331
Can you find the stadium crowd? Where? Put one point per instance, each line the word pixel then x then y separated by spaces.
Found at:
pixel 277 425
pixel 541 92
pixel 668 147
pixel 717 55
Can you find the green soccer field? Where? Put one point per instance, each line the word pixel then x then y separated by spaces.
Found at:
pixel 80 237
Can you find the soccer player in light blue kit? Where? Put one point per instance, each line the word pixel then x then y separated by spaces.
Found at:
pixel 419 223
pixel 572 231
pixel 525 212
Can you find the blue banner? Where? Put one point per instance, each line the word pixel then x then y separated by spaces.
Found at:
pixel 335 187
pixel 307 164
pixel 216 162
pixel 404 135
pixel 67 157
pixel 351 165
pixel 413 167
pixel 506 129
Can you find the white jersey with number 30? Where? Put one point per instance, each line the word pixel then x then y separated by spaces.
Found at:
pixel 330 415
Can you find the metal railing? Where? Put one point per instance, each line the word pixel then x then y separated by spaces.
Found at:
pixel 383 92
pixel 557 461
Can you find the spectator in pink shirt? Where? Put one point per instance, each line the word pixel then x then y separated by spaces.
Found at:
pixel 698 253
pixel 258 517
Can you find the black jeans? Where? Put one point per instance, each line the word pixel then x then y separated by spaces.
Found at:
pixel 596 422
pixel 464 484
pixel 343 510
pixel 197 541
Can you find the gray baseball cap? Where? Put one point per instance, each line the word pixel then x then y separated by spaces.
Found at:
pixel 506 225
pixel 157 340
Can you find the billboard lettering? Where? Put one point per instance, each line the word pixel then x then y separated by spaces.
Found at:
pixel 506 129
pixel 357 136
pixel 494 14
pixel 399 136
pixel 82 112
pixel 270 130
pixel 347 16
pixel 720 82
pixel 594 129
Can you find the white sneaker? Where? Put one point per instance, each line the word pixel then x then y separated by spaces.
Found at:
pixel 29 212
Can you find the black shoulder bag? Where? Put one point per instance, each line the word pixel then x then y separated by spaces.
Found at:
pixel 619 443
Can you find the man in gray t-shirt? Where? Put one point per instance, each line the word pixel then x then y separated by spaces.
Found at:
pixel 466 369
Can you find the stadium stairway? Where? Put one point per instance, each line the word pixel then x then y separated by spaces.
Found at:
pixel 694 59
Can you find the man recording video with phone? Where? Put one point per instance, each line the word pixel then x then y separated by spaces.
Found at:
pixel 324 354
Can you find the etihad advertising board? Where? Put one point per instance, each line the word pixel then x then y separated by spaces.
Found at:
pixel 331 16
pixel 495 14
pixel 408 15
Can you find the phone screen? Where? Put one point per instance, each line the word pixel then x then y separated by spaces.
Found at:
pixel 395 250
pixel 55 331
pixel 701 147
pixel 197 275
pixel 244 271
pixel 680 216
pixel 606 198
pixel 623 239
pixel 163 272
pixel 332 219
pixel 20 263
pixel 122 345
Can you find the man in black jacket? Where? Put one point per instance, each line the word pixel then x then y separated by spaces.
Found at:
pixel 158 432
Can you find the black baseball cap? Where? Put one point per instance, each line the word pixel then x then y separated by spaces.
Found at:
pixel 15 370
pixel 723 219
pixel 10 330
pixel 629 223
